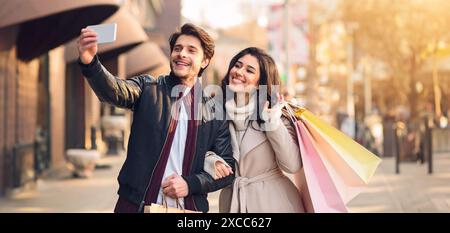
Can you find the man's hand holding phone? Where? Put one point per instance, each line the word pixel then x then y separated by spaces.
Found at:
pixel 92 36
pixel 87 45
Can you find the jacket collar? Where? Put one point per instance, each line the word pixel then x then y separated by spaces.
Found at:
pixel 172 80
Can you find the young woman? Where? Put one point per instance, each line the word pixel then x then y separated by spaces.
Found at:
pixel 263 140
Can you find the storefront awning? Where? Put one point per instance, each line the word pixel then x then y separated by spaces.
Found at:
pixel 129 34
pixel 146 58
pixel 47 24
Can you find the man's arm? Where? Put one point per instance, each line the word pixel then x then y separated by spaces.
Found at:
pixel 203 182
pixel 118 92
pixel 110 89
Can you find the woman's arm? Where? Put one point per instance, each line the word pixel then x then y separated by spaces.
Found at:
pixel 285 146
pixel 203 182
pixel 216 166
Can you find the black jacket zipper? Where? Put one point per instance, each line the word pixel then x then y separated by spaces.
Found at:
pixel 141 205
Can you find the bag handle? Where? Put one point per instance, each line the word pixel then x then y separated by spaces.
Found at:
pixel 290 112
pixel 179 206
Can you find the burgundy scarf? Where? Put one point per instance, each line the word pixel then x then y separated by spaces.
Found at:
pixel 189 150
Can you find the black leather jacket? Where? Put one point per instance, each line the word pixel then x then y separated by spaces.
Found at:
pixel 151 102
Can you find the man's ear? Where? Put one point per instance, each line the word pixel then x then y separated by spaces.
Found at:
pixel 205 63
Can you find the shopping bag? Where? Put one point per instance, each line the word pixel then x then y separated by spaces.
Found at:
pixel 361 160
pixel 330 159
pixel 320 186
pixel 300 182
pixel 347 180
pixel 157 208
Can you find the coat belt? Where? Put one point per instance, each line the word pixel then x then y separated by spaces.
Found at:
pixel 239 196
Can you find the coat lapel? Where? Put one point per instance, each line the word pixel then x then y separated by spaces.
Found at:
pixel 252 139
pixel 234 143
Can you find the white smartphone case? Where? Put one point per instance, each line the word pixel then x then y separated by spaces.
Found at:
pixel 106 32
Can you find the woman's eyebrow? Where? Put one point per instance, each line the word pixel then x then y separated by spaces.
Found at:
pixel 251 67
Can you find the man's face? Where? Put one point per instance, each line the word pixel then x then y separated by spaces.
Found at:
pixel 186 58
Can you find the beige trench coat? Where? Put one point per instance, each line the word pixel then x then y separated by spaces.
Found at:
pixel 260 184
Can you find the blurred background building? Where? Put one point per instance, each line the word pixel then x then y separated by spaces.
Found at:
pixel 46 107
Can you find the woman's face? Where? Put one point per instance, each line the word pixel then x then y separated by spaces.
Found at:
pixel 244 75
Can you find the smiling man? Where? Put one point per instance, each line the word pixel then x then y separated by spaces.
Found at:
pixel 171 130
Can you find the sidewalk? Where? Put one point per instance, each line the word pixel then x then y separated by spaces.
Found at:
pixel 71 195
pixel 412 191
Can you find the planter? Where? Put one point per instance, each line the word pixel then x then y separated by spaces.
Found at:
pixel 113 133
pixel 83 161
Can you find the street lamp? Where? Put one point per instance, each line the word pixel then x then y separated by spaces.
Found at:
pixel 351 27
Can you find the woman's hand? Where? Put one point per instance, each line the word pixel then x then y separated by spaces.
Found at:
pixel 272 116
pixel 222 170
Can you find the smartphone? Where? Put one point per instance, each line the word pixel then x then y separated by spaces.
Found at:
pixel 274 96
pixel 106 32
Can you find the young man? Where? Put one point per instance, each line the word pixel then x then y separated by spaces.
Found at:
pixel 170 133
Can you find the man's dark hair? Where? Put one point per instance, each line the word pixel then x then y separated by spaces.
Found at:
pixel 205 40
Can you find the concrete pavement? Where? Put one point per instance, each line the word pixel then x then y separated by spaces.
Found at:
pixel 411 191
pixel 70 195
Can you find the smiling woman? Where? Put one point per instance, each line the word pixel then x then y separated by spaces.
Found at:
pixel 261 138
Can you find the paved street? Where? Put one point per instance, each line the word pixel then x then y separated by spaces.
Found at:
pixel 412 191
